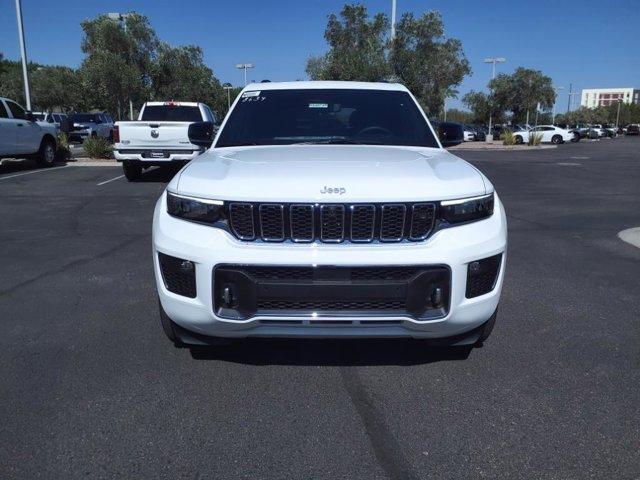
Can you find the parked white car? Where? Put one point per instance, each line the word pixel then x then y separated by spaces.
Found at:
pixel 160 136
pixel 599 129
pixel 328 209
pixel 469 135
pixel 550 134
pixel 21 135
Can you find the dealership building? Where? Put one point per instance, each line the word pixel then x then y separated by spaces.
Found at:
pixel 599 97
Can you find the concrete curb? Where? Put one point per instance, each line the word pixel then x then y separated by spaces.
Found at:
pixel 631 236
pixel 90 162
pixel 499 147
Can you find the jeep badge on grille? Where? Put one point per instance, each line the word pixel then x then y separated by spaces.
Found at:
pixel 335 190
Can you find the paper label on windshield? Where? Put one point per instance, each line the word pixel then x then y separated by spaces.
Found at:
pixel 318 105
pixel 254 93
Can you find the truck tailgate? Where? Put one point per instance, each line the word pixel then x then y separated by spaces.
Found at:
pixel 155 135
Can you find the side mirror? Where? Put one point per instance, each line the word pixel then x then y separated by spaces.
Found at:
pixel 30 117
pixel 450 134
pixel 201 134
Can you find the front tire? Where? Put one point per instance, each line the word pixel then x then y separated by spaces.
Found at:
pixel 46 156
pixel 132 170
pixel 557 139
pixel 519 140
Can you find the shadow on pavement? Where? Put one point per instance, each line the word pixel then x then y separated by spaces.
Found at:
pixel 330 352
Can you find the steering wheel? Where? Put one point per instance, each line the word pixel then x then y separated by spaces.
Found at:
pixel 374 128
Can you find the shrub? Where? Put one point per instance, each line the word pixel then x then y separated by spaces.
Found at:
pixel 97 147
pixel 534 139
pixel 508 138
pixel 64 152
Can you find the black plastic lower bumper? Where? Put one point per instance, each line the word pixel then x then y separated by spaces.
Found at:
pixel 242 292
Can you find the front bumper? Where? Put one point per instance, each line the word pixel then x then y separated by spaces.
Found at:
pixel 208 247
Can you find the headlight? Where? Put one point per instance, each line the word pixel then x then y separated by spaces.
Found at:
pixel 200 210
pixel 466 209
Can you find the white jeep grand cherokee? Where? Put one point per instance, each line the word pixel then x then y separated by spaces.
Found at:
pixel 328 209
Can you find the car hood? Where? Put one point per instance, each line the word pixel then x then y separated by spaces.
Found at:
pixel 329 173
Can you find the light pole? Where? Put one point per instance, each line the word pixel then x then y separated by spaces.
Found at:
pixel 553 109
pixel 23 53
pixel 492 60
pixel 121 19
pixel 618 114
pixel 393 19
pixel 244 66
pixel 228 88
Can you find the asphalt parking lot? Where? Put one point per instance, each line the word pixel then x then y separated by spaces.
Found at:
pixel 91 388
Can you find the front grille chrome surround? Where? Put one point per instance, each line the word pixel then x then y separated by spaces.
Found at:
pixel 331 222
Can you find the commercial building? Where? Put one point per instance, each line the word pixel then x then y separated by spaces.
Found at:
pixel 598 97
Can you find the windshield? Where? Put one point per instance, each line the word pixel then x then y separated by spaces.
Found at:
pixel 367 117
pixel 171 113
pixel 39 116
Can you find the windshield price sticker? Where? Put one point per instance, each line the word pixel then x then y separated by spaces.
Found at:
pixel 318 105
pixel 254 93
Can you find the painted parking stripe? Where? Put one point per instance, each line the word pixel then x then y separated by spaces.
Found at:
pixel 33 171
pixel 111 180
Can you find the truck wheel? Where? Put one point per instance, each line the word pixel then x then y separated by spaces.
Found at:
pixel 487 328
pixel 132 170
pixel 167 326
pixel 47 153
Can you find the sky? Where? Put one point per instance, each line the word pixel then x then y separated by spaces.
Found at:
pixel 588 43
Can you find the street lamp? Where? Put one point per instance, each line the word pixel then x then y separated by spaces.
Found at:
pixel 23 53
pixel 393 19
pixel 244 66
pixel 228 87
pixel 492 60
pixel 553 109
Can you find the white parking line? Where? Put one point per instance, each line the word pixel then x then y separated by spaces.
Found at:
pixel 33 171
pixel 111 180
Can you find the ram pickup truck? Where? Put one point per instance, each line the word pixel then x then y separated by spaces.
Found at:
pixel 328 209
pixel 21 135
pixel 159 137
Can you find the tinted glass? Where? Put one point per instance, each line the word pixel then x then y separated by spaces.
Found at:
pixel 82 117
pixel 3 111
pixel 171 113
pixel 281 117
pixel 39 116
pixel 16 110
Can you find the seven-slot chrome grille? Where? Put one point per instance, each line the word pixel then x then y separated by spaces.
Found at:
pixel 331 222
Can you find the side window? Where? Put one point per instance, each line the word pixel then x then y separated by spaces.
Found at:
pixel 3 111
pixel 16 110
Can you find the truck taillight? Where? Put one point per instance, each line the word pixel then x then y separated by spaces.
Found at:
pixel 116 134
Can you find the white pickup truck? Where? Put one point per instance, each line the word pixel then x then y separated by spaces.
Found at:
pixel 159 137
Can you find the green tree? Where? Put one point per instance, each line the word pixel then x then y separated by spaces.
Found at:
pixel 456 115
pixel 521 91
pixel 479 105
pixel 55 88
pixel 118 63
pixel 429 64
pixel 356 47
pixel 179 73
